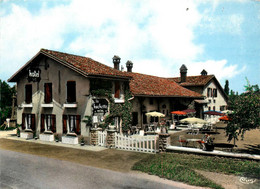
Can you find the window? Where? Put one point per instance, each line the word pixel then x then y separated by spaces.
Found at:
pixel 71 91
pixel 71 124
pixel 209 92
pixel 48 122
pixel 222 108
pixel 215 93
pixel 209 108
pixel 151 101
pixel 135 118
pixel 28 121
pixel 214 101
pixel 28 94
pixel 117 89
pixel 214 108
pixel 48 92
pixel 209 101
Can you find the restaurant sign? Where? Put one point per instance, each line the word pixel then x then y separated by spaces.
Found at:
pixel 34 74
pixel 100 106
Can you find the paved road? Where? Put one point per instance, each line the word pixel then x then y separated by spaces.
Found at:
pixel 19 170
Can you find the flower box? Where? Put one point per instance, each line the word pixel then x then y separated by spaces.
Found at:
pixel 69 140
pixel 47 137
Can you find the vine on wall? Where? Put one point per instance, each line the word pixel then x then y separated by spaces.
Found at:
pixel 122 110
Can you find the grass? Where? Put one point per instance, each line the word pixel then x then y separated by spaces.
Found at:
pixel 182 167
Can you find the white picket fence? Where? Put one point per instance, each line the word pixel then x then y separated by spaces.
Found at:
pixel 137 143
pixel 102 135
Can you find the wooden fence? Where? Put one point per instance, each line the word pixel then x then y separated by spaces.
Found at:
pixel 138 143
pixel 102 135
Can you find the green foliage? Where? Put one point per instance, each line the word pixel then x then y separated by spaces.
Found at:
pixel 245 116
pixel 122 110
pixel 6 93
pixel 251 88
pixel 226 88
pixel 88 120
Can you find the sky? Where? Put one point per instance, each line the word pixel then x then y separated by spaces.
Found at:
pixel 158 36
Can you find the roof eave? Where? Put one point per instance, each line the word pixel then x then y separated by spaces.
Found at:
pixel 170 96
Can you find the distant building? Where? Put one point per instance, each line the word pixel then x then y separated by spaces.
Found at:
pixel 207 85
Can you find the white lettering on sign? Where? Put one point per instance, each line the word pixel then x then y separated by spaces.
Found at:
pixel 34 73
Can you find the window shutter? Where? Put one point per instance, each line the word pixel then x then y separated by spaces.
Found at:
pixel 33 122
pixel 23 121
pixel 78 124
pixel 42 123
pixel 53 125
pixel 117 89
pixel 64 124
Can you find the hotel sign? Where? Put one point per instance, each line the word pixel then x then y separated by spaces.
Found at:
pixel 100 106
pixel 34 74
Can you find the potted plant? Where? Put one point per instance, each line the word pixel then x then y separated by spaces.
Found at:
pixel 18 131
pixel 82 141
pixel 34 135
pixel 56 137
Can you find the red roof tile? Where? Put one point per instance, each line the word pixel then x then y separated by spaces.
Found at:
pixel 200 80
pixel 147 85
pixel 87 65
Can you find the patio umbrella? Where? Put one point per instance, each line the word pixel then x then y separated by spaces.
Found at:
pixel 178 113
pixel 214 113
pixel 225 118
pixel 189 111
pixel 155 114
pixel 227 112
pixel 193 120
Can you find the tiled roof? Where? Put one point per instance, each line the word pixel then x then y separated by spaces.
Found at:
pixel 140 84
pixel 147 85
pixel 200 80
pixel 87 65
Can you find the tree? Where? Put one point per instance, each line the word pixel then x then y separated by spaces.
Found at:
pixel 245 116
pixel 226 88
pixel 6 93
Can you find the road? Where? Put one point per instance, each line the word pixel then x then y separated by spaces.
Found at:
pixel 18 170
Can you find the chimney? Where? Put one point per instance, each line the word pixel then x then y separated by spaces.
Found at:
pixel 116 61
pixel 204 72
pixel 129 66
pixel 183 72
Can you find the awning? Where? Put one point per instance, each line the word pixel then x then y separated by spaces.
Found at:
pixel 201 101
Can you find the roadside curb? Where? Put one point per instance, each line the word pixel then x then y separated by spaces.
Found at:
pixel 213 153
pixel 59 144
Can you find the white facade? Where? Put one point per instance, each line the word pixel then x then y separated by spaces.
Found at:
pixel 215 97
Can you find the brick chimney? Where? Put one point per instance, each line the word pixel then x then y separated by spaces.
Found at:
pixel 183 72
pixel 116 61
pixel 129 66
